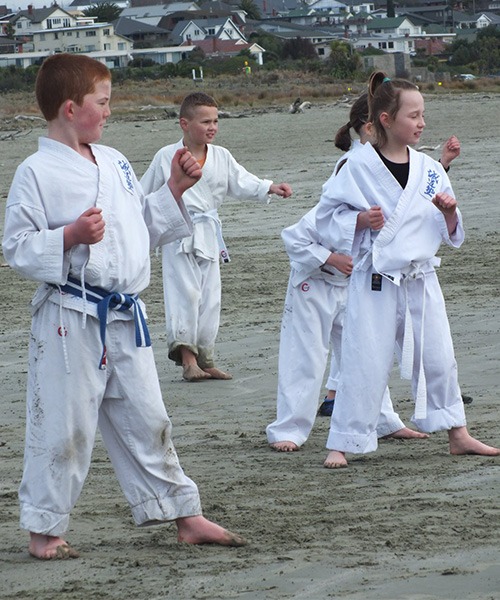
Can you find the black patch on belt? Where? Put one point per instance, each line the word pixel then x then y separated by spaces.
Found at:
pixel 376 282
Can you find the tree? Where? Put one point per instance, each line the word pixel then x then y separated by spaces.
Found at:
pixel 482 55
pixel 390 9
pixel 343 61
pixel 298 48
pixel 252 10
pixel 106 12
pixel 271 44
pixel 10 31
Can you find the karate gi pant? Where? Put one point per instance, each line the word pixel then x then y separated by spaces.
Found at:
pixel 373 324
pixel 65 409
pixel 311 326
pixel 192 295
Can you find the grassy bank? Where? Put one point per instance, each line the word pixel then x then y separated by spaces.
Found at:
pixel 234 93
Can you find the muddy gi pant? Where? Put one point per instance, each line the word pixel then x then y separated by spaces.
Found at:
pixel 65 409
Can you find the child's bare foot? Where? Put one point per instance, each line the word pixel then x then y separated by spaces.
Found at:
pixel 48 547
pixel 198 530
pixel 335 460
pixel 406 434
pixel 194 373
pixel 461 442
pixel 216 373
pixel 285 446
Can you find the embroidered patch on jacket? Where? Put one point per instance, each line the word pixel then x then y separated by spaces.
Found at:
pixel 127 174
pixel 432 181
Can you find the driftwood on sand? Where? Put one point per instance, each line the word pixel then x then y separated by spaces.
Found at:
pixel 298 106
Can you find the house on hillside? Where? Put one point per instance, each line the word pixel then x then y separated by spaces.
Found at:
pixel 396 26
pixel 25 22
pixel 194 30
pixel 142 34
pixel 216 48
pixel 394 35
pixel 99 37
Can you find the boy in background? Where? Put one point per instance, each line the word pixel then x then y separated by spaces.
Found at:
pixel 191 270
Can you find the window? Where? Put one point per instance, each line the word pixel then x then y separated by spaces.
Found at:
pixel 106 32
pixel 42 37
pixel 90 34
pixel 121 45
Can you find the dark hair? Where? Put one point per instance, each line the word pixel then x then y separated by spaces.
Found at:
pixel 357 118
pixel 67 77
pixel 384 95
pixel 191 101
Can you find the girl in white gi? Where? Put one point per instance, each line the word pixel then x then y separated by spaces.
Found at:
pixel 394 293
pixel 312 318
pixel 77 221
pixel 191 271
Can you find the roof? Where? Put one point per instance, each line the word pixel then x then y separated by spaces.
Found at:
pixel 390 23
pixel 157 10
pixel 126 26
pixel 37 15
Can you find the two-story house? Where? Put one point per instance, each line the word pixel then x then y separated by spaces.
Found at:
pixel 99 37
pixel 25 22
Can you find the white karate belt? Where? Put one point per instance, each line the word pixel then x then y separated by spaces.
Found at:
pixel 407 355
pixel 213 215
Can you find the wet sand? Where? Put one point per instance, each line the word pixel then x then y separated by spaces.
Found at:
pixel 407 522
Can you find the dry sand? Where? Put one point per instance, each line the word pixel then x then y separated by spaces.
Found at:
pixel 408 522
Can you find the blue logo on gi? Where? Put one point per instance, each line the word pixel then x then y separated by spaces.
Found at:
pixel 432 181
pixel 125 167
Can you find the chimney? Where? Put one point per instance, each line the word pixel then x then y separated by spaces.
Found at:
pixel 30 9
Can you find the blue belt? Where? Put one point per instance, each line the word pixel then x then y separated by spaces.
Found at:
pixel 115 301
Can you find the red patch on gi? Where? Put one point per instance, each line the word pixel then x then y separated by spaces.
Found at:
pixel 305 287
pixel 62 332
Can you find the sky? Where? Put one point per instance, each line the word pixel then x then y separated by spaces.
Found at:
pixel 15 5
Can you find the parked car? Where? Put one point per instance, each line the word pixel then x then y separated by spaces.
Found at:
pixel 465 77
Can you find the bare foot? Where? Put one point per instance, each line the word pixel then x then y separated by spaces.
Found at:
pixel 198 530
pixel 48 547
pixel 335 460
pixel 194 373
pixel 284 446
pixel 461 442
pixel 406 434
pixel 216 373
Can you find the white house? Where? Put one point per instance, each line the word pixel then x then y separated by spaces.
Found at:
pixel 395 26
pixel 27 21
pixel 99 37
pixel 222 29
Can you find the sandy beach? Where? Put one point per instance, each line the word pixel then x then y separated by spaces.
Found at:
pixel 409 522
